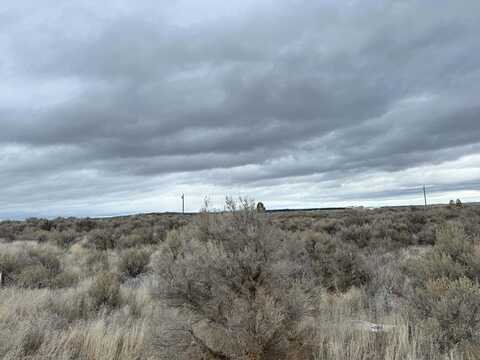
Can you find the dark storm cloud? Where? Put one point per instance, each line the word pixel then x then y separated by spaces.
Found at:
pixel 291 90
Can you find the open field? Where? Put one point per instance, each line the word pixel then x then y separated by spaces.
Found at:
pixel 399 283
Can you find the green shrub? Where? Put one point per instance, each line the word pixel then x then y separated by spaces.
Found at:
pixel 133 262
pixel 357 234
pixel 450 312
pixel 452 257
pixel 335 265
pixel 446 296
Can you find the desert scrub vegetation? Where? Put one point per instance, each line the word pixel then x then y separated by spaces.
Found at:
pixel 133 262
pixel 30 265
pixel 243 284
pixel 238 284
pixel 446 293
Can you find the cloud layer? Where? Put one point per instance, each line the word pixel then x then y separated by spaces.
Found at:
pixel 119 107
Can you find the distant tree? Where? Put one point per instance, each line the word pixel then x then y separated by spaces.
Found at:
pixel 451 203
pixel 459 203
pixel 261 207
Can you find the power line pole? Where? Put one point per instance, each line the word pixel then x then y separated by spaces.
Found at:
pixel 183 203
pixel 425 195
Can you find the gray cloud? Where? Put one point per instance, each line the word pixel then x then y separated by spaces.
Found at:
pixel 291 92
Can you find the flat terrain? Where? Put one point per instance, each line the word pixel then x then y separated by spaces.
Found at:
pixel 392 283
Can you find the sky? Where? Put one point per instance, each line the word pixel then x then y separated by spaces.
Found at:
pixel 118 107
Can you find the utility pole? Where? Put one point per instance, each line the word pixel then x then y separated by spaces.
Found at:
pixel 425 195
pixel 183 203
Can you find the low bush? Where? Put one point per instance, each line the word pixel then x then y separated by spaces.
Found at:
pixel 32 234
pixel 63 238
pixel 101 239
pixel 9 230
pixel 450 310
pixel 359 235
pixel 427 235
pixel 85 225
pixel 105 291
pixel 9 267
pixel 65 279
pixel 452 257
pixel 141 237
pixel 335 265
pixel 131 240
pixel 133 262
pixel 34 267
pixel 34 276
pixel 446 297
pixel 47 257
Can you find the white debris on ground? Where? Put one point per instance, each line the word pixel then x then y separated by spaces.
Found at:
pixel 368 326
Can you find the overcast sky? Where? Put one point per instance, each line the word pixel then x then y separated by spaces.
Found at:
pixel 112 107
